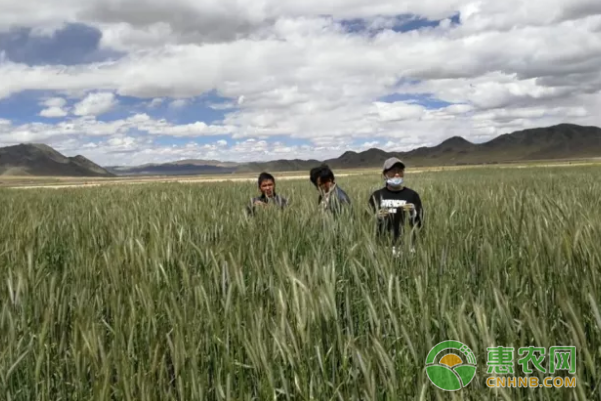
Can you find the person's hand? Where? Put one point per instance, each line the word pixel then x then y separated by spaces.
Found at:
pixel 409 207
pixel 258 202
pixel 382 213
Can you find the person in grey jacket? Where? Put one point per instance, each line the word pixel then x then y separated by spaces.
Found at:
pixel 268 195
pixel 332 198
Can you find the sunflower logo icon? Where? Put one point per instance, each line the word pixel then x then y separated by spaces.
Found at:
pixel 451 372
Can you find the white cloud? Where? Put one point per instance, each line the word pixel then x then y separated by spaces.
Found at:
pixel 155 102
pixel 398 111
pixel 125 150
pixel 195 129
pixel 369 145
pixel 53 112
pixel 178 103
pixel 285 69
pixel 55 108
pixel 88 126
pixel 208 19
pixel 95 104
pixel 55 102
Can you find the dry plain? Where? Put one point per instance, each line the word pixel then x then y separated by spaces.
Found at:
pixel 31 182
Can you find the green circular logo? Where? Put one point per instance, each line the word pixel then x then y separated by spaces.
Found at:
pixel 451 372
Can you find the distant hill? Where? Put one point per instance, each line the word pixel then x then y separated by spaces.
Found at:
pixel 180 167
pixel 564 141
pixel 42 160
pixel 171 169
pixel 277 165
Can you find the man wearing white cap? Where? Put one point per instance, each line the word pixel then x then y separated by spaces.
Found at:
pixel 393 202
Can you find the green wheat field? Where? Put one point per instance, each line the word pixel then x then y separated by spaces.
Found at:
pixel 169 292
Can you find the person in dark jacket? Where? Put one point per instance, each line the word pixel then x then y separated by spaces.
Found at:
pixel 394 203
pixel 331 197
pixel 268 195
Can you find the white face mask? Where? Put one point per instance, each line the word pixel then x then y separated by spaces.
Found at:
pixel 395 182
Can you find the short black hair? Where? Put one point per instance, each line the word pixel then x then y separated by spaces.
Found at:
pixel 265 177
pixel 322 172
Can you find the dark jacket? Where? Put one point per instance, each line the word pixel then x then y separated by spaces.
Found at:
pixel 277 200
pixel 337 200
pixel 393 202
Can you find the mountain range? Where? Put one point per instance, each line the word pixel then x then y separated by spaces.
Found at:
pixel 37 159
pixel 564 141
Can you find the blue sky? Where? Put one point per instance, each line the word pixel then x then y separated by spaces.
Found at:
pixel 427 100
pixel 400 23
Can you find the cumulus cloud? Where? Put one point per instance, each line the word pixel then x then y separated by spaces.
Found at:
pixel 156 102
pixel 207 20
pixel 95 104
pixel 398 111
pixel 53 112
pixel 89 126
pixel 55 108
pixel 296 69
pixel 131 151
pixel 55 102
pixel 178 103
